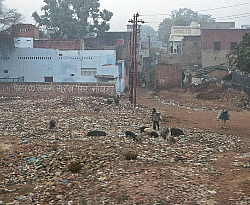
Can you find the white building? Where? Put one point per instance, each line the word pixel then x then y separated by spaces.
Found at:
pixel 177 35
pixel 29 64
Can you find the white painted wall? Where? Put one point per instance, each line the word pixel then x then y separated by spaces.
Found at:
pixel 34 64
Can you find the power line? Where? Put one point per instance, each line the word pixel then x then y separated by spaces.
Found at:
pixel 224 7
pixel 232 16
pixel 237 16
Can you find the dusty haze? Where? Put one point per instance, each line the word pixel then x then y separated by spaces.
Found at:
pixel 123 10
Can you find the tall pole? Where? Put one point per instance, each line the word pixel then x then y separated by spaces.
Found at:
pixel 135 59
pixel 134 63
pixel 149 45
pixel 131 70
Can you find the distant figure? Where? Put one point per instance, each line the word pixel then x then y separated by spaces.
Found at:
pixel 223 116
pixel 156 117
pixel 52 124
pixel 117 100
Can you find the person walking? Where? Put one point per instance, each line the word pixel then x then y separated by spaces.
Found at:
pixel 156 117
pixel 223 116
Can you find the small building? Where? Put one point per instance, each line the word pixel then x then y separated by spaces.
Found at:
pixel 177 35
pixel 218 43
pixel 168 76
pixel 32 60
pixel 191 53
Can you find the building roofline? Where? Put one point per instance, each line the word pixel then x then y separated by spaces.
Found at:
pixel 58 40
pixel 226 29
pixel 24 24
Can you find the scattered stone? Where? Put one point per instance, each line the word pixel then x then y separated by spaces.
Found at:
pixel 50 161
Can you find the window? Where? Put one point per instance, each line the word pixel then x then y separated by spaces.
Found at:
pixel 88 71
pixel 217 45
pixel 48 79
pixel 233 45
pixel 6 71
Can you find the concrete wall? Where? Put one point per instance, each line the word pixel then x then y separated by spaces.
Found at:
pixel 191 51
pixel 213 58
pixel 35 64
pixel 48 89
pixel 168 76
pixel 171 59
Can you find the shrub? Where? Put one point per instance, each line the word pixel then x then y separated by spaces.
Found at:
pixel 130 155
pixel 75 166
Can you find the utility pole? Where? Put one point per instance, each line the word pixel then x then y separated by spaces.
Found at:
pixel 134 60
pixel 149 45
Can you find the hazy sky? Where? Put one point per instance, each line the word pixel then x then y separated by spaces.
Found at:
pixel 152 11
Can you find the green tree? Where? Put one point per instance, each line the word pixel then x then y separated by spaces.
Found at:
pixel 240 57
pixel 146 31
pixel 165 29
pixel 8 17
pixel 73 18
pixel 181 17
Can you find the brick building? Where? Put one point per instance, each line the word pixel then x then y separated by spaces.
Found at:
pixel 168 76
pixel 118 41
pixel 217 44
pixel 24 30
pixel 60 44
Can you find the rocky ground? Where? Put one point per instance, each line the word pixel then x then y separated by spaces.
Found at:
pixel 36 162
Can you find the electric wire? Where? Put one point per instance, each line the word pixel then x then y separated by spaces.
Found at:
pixel 218 8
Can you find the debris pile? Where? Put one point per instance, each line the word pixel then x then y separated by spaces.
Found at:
pixel 65 166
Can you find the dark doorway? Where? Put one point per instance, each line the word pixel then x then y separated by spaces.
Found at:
pixel 48 79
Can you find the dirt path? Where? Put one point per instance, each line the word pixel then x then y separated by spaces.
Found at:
pixel 204 119
pixel 234 181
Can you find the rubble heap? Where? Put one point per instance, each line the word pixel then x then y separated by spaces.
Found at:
pixel 64 166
